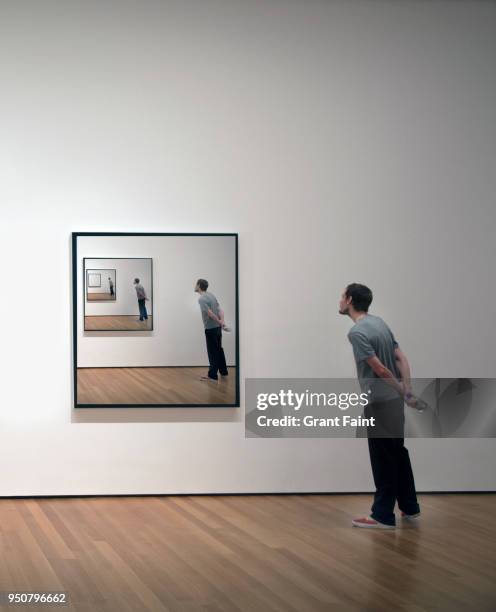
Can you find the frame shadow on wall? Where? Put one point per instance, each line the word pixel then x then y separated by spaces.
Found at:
pixel 147 334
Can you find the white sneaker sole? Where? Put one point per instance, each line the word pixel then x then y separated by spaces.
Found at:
pixel 373 526
pixel 411 517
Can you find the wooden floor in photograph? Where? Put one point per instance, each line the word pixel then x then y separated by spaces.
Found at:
pixel 154 386
pixel 117 323
pixel 295 553
pixel 95 297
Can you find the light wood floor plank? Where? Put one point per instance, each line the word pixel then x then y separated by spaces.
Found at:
pixel 116 323
pixel 95 297
pixel 249 553
pixel 154 386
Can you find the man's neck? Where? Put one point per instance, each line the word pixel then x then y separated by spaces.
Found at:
pixel 356 315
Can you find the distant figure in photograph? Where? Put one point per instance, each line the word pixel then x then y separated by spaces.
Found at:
pixel 111 286
pixel 384 373
pixel 141 295
pixel 213 322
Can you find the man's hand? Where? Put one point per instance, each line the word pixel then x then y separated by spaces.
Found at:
pixel 410 399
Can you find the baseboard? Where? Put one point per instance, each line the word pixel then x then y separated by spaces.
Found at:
pixel 481 492
pixel 205 365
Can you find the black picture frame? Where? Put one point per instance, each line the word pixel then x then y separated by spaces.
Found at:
pixel 97 301
pixel 75 297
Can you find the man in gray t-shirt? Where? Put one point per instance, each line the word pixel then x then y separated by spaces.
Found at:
pixel 213 322
pixel 141 295
pixel 382 369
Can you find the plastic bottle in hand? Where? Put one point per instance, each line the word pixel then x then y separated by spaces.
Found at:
pixel 415 402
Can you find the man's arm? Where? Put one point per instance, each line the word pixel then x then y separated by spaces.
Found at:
pixel 404 369
pixel 363 350
pixel 385 373
pixel 219 320
pixel 213 316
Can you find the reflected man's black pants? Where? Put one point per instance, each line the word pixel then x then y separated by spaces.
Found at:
pixel 216 357
pixel 142 310
pixel 391 467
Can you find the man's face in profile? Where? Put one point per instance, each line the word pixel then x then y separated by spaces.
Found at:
pixel 344 304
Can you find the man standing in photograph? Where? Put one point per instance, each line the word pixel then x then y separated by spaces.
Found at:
pixel 213 322
pixel 384 373
pixel 111 286
pixel 141 295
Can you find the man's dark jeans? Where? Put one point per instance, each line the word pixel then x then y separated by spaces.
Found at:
pixel 391 467
pixel 216 357
pixel 142 310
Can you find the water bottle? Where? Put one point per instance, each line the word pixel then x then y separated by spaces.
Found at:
pixel 420 405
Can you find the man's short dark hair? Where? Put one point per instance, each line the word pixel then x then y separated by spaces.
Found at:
pixel 203 284
pixel 136 280
pixel 361 296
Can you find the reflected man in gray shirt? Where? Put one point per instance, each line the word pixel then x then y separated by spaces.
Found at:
pixel 111 286
pixel 141 295
pixel 213 322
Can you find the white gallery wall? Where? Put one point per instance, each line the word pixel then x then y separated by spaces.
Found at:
pixel 178 336
pixel 344 141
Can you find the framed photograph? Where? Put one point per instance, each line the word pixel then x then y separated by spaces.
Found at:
pixel 168 335
pixel 98 291
pixel 93 280
pixel 127 312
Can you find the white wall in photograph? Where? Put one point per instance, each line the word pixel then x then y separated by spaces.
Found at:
pixel 178 337
pixel 344 141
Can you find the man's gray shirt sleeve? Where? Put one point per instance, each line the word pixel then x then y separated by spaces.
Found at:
pixel 395 344
pixel 362 349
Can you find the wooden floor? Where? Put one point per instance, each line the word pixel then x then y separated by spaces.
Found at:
pixel 117 323
pixel 95 297
pixel 251 553
pixel 154 386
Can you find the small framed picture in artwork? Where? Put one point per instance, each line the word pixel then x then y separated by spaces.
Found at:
pixel 94 280
pixel 101 285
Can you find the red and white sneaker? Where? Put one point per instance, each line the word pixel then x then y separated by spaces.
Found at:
pixel 410 517
pixel 370 523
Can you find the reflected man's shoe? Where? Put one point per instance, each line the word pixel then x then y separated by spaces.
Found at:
pixel 370 523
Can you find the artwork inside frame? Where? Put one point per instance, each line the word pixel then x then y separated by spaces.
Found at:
pixel 101 285
pixel 126 313
pixel 169 335
pixel 93 280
